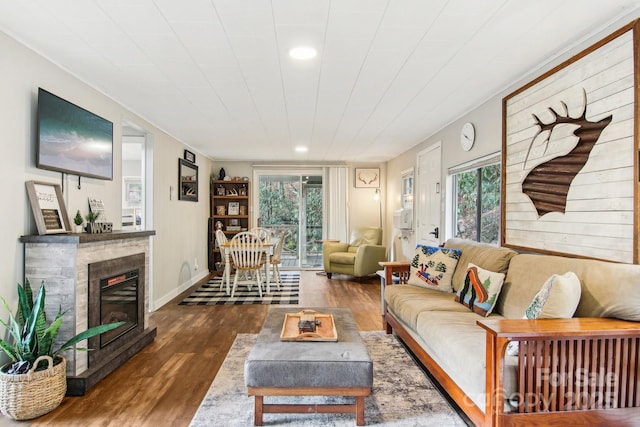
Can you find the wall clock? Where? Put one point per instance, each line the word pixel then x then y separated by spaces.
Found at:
pixel 467 136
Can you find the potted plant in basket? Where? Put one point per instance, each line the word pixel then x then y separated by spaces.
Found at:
pixel 35 382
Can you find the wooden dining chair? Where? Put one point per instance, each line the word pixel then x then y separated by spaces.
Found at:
pixel 246 250
pixel 221 238
pixel 264 233
pixel 276 259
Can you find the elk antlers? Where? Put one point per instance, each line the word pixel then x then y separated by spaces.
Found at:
pixel 558 119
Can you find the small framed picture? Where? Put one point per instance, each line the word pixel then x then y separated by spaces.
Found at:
pixel 48 208
pixel 234 208
pixel 189 156
pixel 367 178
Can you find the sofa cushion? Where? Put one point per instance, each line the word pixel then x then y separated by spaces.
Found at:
pixel 481 289
pixel 563 296
pixel 407 302
pixel 433 267
pixel 457 344
pixel 483 255
pixel 608 289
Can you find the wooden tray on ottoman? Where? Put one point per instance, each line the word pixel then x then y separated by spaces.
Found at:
pixel 325 331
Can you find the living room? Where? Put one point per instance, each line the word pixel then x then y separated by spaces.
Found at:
pixel 179 247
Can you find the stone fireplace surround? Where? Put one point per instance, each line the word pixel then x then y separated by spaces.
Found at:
pixel 62 262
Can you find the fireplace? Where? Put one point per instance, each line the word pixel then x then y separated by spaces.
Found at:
pixel 116 293
pixel 95 278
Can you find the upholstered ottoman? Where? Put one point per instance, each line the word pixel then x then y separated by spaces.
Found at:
pixel 279 368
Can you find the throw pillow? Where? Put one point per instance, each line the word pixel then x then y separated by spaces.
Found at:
pixel 480 289
pixel 557 299
pixel 432 267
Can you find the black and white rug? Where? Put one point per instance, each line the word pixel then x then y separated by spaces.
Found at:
pixel 402 394
pixel 211 294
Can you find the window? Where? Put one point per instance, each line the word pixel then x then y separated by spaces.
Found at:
pixel 476 201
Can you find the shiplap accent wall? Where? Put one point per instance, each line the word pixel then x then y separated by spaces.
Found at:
pixel 599 217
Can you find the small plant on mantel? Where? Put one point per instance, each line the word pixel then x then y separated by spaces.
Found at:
pixel 77 220
pixel 91 218
pixel 34 383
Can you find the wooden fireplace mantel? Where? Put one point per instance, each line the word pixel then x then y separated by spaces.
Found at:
pixel 78 238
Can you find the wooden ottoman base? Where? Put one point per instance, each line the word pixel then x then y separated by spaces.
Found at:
pixel 263 408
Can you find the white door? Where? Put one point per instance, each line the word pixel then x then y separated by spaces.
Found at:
pixel 429 196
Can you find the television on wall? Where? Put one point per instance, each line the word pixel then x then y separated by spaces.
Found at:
pixel 73 140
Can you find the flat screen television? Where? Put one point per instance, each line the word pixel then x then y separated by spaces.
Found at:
pixel 73 140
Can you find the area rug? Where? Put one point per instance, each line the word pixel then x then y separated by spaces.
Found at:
pixel 210 293
pixel 402 394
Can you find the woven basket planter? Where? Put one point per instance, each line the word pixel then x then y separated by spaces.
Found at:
pixel 30 395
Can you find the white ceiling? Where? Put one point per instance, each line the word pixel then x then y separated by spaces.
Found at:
pixel 216 73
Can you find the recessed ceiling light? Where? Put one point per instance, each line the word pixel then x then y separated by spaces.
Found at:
pixel 301 149
pixel 303 52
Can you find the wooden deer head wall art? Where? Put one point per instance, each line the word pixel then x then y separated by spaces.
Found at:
pixel 570 155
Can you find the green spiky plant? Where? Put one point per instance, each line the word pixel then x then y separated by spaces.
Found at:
pixel 31 335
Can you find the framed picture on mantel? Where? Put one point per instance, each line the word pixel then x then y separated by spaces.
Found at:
pixel 48 208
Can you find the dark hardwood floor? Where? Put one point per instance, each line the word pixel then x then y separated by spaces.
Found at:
pixel 164 384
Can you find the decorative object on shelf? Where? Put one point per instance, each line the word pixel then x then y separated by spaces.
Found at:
pixel 222 174
pixel 95 227
pixel 219 225
pixel 220 190
pixel 47 205
pixel 243 210
pixel 367 177
pixel 232 192
pixel 35 382
pixel 189 156
pixel 234 208
pixel 77 221
pixel 243 190
pixel 221 210
pixel 187 181
pixel 467 136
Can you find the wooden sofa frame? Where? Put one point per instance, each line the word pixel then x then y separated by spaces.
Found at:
pixel 579 371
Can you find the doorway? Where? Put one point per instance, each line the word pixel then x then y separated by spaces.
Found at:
pixel 291 202
pixel 429 196
pixel 134 172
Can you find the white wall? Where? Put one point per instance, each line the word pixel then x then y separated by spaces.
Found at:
pixel 181 227
pixel 487 119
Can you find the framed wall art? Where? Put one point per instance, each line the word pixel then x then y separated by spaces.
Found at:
pixel 48 207
pixel 189 156
pixel 570 154
pixel 367 177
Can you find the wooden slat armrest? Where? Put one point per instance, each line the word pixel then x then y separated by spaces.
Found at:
pixel 402 269
pixel 522 329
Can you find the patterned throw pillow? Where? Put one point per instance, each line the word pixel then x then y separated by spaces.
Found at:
pixel 433 267
pixel 480 289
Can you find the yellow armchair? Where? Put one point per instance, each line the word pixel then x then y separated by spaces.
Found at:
pixel 357 258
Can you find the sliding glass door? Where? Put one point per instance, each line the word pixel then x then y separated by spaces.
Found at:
pixel 292 203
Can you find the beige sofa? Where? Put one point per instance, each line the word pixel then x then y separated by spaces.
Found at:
pixel 566 370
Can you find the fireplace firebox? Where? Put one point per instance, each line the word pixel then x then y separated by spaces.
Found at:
pixel 116 293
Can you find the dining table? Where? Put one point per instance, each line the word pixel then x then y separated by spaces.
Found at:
pixel 267 248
